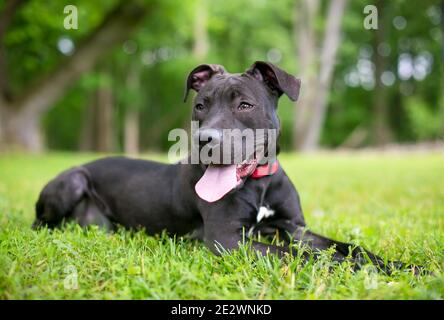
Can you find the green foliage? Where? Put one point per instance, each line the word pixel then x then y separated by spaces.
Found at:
pixel 425 123
pixel 31 40
pixel 64 134
pixel 351 106
pixel 239 32
pixel 375 200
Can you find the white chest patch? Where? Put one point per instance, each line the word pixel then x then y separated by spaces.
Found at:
pixel 264 212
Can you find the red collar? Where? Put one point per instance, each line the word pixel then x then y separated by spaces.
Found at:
pixel 265 170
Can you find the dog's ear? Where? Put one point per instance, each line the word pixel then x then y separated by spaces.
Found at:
pixel 79 184
pixel 276 79
pixel 200 76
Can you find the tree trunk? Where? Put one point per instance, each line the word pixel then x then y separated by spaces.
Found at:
pixel 20 129
pixel 316 71
pixel 131 142
pixel 132 114
pixel 381 133
pixel 200 44
pixel 305 38
pixel 87 137
pixel 33 102
pixel 9 10
pixel 105 118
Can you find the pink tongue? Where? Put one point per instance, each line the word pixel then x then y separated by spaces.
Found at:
pixel 216 182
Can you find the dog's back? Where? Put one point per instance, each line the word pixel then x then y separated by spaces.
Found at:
pixel 131 192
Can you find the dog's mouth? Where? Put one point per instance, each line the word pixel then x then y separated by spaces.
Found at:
pixel 218 180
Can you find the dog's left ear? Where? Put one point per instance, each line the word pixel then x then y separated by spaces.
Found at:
pixel 79 184
pixel 276 79
pixel 200 75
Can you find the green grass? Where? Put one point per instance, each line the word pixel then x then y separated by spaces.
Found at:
pixel 391 204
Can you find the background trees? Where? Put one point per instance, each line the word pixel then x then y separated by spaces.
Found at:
pixel 116 83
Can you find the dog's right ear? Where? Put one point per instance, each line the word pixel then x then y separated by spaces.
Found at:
pixel 79 184
pixel 276 79
pixel 200 76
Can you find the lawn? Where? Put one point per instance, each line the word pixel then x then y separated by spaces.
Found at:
pixel 391 204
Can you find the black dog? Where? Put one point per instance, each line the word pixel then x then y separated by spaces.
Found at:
pixel 157 197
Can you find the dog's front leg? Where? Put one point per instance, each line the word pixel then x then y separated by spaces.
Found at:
pixel 229 239
pixel 224 230
pixel 288 219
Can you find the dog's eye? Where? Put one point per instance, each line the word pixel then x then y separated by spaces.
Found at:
pixel 245 106
pixel 199 107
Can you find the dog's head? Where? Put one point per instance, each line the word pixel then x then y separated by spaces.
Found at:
pixel 227 101
pixel 232 107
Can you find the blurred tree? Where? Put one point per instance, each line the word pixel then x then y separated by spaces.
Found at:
pixel 381 132
pixel 105 111
pixel 316 69
pixel 132 113
pixel 200 45
pixel 146 73
pixel 412 73
pixel 10 9
pixel 21 113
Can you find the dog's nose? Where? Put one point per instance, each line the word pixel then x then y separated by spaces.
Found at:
pixel 211 136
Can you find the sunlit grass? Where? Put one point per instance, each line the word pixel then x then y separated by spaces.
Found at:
pixel 391 204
